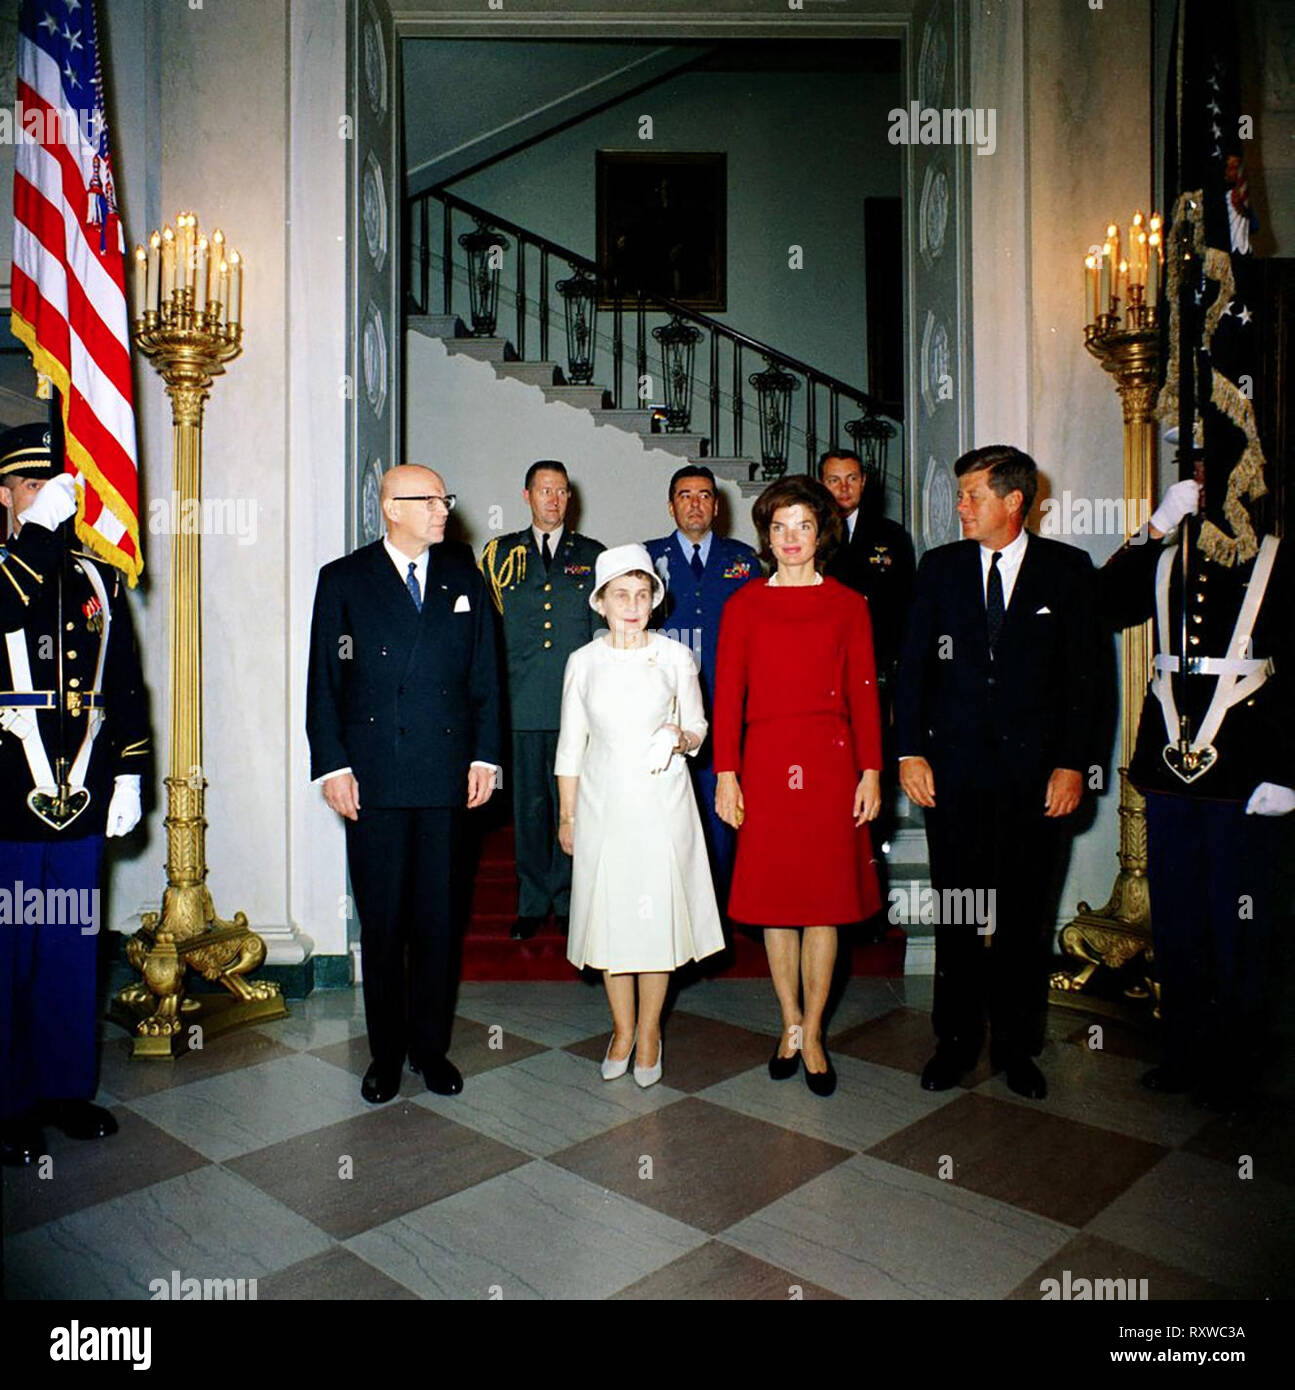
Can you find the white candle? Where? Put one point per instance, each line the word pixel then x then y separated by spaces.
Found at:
pixel 1090 289
pixel 235 288
pixel 141 280
pixel 214 264
pixel 1153 268
pixel 1104 281
pixel 154 269
pixel 200 275
pixel 222 287
pixel 168 264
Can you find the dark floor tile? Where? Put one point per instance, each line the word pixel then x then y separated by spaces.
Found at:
pixel 699 1051
pixel 710 1166
pixel 335 1275
pixel 129 1078
pixel 1056 1167
pixel 1266 1135
pixel 903 1039
pixel 1116 1037
pixel 85 1172
pixel 715 1271
pixel 470 1051
pixel 401 1156
pixel 1090 1257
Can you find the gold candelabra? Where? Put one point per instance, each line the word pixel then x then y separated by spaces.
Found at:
pixel 188 323
pixel 1123 335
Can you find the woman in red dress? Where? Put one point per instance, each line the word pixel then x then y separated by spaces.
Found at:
pixel 796 718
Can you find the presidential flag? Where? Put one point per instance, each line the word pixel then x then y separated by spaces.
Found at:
pixel 68 293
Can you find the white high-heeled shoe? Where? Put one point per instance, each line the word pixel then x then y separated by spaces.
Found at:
pixel 611 1067
pixel 649 1076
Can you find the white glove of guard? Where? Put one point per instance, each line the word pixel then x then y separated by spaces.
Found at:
pixel 53 504
pixel 1268 799
pixel 661 749
pixel 124 809
pixel 1183 499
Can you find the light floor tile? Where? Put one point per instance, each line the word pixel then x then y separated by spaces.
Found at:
pixel 871 1230
pixel 871 1102
pixel 208 1224
pixel 550 1012
pixel 244 1110
pixel 537 1232
pixel 548 1102
pixel 1198 1214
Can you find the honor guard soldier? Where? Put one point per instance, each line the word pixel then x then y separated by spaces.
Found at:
pixel 74 742
pixel 540 579
pixel 701 570
pixel 1215 760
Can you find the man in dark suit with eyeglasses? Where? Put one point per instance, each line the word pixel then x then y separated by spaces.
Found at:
pixel 402 713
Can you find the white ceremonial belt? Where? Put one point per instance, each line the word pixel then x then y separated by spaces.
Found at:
pixel 1217 665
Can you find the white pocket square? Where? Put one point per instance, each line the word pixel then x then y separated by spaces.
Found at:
pixel 1040 611
pixel 461 604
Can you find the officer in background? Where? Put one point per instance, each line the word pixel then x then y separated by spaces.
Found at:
pixel 1217 784
pixel 540 579
pixel 700 570
pixel 74 742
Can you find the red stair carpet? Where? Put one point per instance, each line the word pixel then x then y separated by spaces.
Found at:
pixel 490 954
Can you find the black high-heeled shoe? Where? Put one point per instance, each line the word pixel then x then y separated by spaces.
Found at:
pixel 783 1068
pixel 822 1083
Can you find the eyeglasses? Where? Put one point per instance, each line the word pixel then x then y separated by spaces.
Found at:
pixel 431 499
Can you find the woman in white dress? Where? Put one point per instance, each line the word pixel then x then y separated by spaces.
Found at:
pixel 642 901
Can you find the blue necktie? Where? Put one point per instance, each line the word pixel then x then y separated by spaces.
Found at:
pixel 698 568
pixel 411 583
pixel 995 610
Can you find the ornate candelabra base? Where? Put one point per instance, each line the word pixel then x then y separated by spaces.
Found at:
pixel 187 935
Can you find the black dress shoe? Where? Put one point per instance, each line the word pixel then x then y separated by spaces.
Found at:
pixel 21 1142
pixel 942 1072
pixel 822 1083
pixel 1168 1080
pixel 1026 1079
pixel 440 1075
pixel 525 927
pixel 380 1083
pixel 782 1068
pixel 78 1119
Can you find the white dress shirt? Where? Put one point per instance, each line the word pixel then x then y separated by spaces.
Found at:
pixel 554 538
pixel 1008 567
pixel 849 525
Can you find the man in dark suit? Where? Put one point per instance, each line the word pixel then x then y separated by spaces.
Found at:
pixel 74 743
pixel 540 579
pixel 701 570
pixel 402 713
pixel 875 561
pixel 994 718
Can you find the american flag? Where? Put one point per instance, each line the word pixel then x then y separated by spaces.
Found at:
pixel 68 295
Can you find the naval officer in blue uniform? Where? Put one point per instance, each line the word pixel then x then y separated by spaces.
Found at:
pixel 701 570
pixel 74 742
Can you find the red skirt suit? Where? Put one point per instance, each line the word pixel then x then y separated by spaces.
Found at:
pixel 796 717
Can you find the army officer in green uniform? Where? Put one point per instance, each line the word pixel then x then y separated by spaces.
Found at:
pixel 540 579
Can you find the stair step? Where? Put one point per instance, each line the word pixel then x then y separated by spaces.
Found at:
pixel 483 349
pixel 682 446
pixel 636 421
pixel 438 325
pixel 582 397
pixel 733 470
pixel 530 373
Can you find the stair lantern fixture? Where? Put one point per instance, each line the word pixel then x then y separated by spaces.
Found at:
pixel 774 387
pixel 678 344
pixel 485 248
pixel 580 306
pixel 871 436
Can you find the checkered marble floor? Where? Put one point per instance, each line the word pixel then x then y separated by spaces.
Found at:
pixel 257 1158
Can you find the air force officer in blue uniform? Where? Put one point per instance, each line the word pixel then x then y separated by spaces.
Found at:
pixel 701 570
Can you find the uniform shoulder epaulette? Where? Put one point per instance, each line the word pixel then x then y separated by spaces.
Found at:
pixel 502 571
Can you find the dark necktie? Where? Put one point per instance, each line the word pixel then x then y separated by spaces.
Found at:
pixel 698 568
pixel 411 583
pixel 545 553
pixel 995 612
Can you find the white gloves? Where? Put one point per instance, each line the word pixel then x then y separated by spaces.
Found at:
pixel 1268 799
pixel 661 748
pixel 124 809
pixel 1183 499
pixel 54 503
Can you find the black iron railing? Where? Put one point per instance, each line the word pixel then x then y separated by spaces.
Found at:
pixel 484 274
